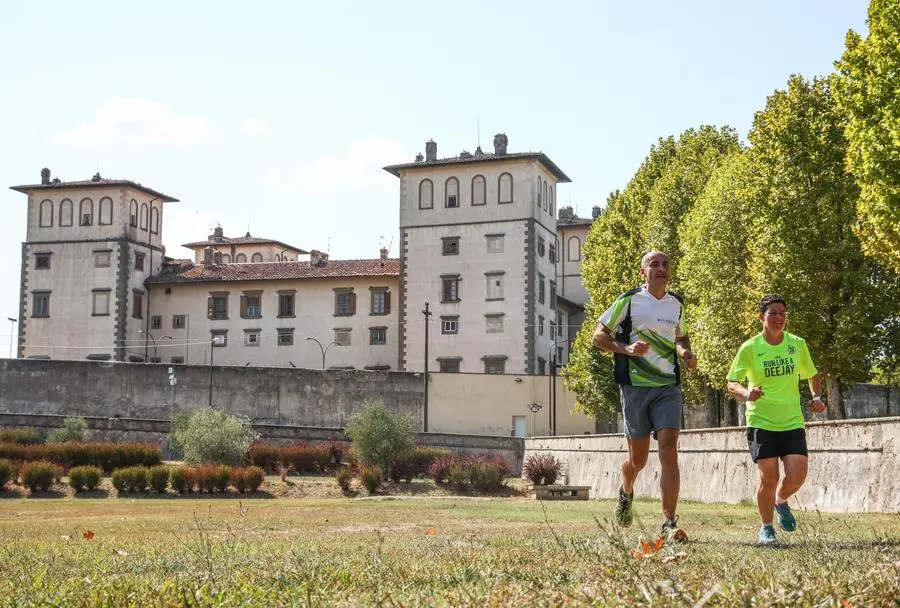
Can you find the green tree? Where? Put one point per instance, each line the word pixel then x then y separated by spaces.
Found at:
pixel 868 92
pixel 379 435
pixel 210 436
pixel 73 429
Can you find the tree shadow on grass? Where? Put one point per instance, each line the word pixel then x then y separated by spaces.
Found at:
pixel 96 493
pixel 801 544
pixel 47 494
pixel 168 495
pixel 14 492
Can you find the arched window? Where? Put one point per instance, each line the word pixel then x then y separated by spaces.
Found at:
pixel 154 220
pixel 539 196
pixel 552 200
pixel 451 193
pixel 505 190
pixel 145 216
pixel 240 258
pixel 86 212
pixel 226 259
pixel 426 194
pixel 257 257
pixel 45 215
pixel 546 197
pixel 479 190
pixel 105 211
pixel 574 249
pixel 133 213
pixel 65 212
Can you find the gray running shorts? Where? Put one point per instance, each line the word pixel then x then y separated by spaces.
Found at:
pixel 647 409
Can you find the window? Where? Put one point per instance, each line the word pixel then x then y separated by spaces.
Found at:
pixel 494 285
pixel 450 325
pixel 101 258
pixel 541 290
pixel 540 200
pixel 426 194
pixel 542 366
pixel 145 216
pixel 285 304
pixel 133 214
pixel 449 365
pixel 540 325
pixel 40 304
pixel 106 210
pixel 342 336
pixel 494 243
pixel 178 321
pixel 100 302
pixel 378 336
pixel 285 336
pixel 505 189
pixel 137 304
pixel 65 212
pixel 251 305
pixel 479 188
pixel 494 364
pixel 559 355
pixel 45 215
pixel 86 212
pixel 217 306
pixel 552 330
pixel 450 288
pixel 450 245
pixel 546 198
pixel 42 261
pixel 493 324
pixel 256 258
pixel 138 261
pixel 219 338
pixel 344 302
pixel 177 360
pixel 240 259
pixel 551 201
pixel 226 259
pixel 154 220
pixel 574 249
pixel 551 254
pixel 380 301
pixel 451 189
pixel 156 322
pixel 553 295
pixel 541 247
pixel 251 337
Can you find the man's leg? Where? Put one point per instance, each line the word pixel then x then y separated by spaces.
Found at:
pixel 765 495
pixel 638 450
pixel 795 467
pixel 670 476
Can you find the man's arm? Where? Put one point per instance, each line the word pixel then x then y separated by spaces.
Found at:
pixel 816 404
pixel 604 340
pixel 743 393
pixel 683 349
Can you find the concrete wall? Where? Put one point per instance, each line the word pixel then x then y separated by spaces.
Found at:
pixel 852 468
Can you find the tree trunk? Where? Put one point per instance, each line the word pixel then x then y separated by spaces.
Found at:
pixel 734 412
pixel 835 399
pixel 711 404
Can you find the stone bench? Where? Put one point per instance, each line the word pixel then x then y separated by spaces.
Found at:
pixel 562 492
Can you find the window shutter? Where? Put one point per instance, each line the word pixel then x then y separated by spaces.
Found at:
pixel 352 303
pixel 209 308
pixel 243 307
pixel 387 302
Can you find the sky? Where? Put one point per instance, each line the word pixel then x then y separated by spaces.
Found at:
pixel 277 117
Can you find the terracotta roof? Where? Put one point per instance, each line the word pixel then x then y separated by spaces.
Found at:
pixel 577 221
pixel 89 183
pixel 279 271
pixel 241 240
pixel 483 158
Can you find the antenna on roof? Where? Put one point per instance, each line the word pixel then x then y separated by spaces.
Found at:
pixel 478 123
pixel 249 215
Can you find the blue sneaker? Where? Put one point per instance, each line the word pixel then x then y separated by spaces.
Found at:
pixel 767 536
pixel 786 520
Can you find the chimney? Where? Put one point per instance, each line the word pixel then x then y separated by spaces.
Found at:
pixel 430 150
pixel 566 213
pixel 218 235
pixel 217 258
pixel 208 257
pixel 45 175
pixel 419 157
pixel 384 253
pixel 596 212
pixel 317 258
pixel 500 143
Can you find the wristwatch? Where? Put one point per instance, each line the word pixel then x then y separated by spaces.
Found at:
pixel 818 397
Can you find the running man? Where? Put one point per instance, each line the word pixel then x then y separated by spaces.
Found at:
pixel 774 361
pixel 644 330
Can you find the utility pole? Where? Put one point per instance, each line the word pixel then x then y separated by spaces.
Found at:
pixel 427 312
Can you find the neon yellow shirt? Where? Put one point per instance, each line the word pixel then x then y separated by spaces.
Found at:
pixel 778 369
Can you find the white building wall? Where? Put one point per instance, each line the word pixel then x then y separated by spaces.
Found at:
pixel 569 270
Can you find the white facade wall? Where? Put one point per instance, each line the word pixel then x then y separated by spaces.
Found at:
pixel 569 265
pixel 269 252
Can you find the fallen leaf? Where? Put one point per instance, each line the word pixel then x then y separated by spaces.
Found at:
pixel 660 543
pixel 430 532
pixel 638 556
pixel 674 558
pixel 646 548
pixel 89 534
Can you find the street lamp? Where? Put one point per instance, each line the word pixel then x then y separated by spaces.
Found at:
pixel 213 342
pixel 12 323
pixel 535 408
pixel 321 348
pixel 155 343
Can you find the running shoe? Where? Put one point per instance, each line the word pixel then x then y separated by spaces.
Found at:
pixel 672 533
pixel 786 520
pixel 623 508
pixel 767 535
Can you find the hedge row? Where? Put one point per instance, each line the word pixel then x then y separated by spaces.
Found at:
pixel 300 458
pixel 415 463
pixel 184 480
pixel 107 456
pixel 484 473
pixel 23 435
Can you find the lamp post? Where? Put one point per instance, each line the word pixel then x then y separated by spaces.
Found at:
pixel 154 340
pixel 12 322
pixel 535 408
pixel 172 382
pixel 427 312
pixel 553 367
pixel 322 349
pixel 213 342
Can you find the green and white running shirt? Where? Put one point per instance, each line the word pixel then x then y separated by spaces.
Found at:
pixel 778 369
pixel 638 315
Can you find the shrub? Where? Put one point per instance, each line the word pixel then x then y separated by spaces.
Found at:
pixel 85 477
pixel 210 436
pixel 107 456
pixel 255 476
pixel 343 477
pixel 131 479
pixel 38 475
pixel 265 456
pixel 440 468
pixel 415 463
pixel 6 472
pixel 159 478
pixel 459 473
pixel 72 429
pixel 371 478
pixel 222 478
pixel 542 469
pixel 211 478
pixel 22 436
pixel 182 479
pixel 488 474
pixel 379 435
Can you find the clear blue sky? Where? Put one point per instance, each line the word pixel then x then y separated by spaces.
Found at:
pixel 280 115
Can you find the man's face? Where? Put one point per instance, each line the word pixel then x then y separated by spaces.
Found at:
pixel 656 270
pixel 775 317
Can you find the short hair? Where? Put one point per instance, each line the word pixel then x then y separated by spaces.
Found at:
pixel 650 254
pixel 768 300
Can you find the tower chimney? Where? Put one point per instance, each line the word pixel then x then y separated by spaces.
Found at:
pixel 596 212
pixel 430 150
pixel 384 253
pixel 500 143
pixel 208 257
pixel 45 175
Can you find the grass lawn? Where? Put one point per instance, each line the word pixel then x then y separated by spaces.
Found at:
pixel 428 550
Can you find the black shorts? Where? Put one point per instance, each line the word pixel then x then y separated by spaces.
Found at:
pixel 776 444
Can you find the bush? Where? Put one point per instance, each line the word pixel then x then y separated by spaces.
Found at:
pixel 488 474
pixel 459 473
pixel 371 478
pixel 378 435
pixel 247 479
pixel 22 436
pixel 222 478
pixel 72 429
pixel 131 479
pixel 415 463
pixel 86 477
pixel 542 469
pixel 107 456
pixel 210 436
pixel 159 478
pixel 182 479
pixel 6 472
pixel 212 478
pixel 440 468
pixel 38 475
pixel 343 477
